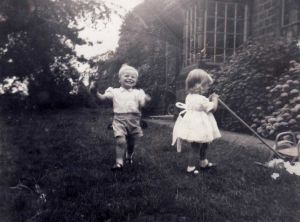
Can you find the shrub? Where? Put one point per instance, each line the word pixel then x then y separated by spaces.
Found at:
pixel 246 81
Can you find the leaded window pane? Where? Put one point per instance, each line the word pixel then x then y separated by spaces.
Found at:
pixel 220 25
pixel 230 10
pixel 240 11
pixel 230 26
pixel 221 9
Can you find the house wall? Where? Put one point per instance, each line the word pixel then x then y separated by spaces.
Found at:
pixel 265 18
pixel 265 21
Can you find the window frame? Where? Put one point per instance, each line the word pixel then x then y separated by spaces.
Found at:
pixel 225 32
pixel 283 13
pixel 199 36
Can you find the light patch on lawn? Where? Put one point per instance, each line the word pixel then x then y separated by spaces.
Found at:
pixel 279 163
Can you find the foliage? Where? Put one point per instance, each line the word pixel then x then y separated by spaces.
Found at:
pixel 37 42
pixel 243 81
pixel 283 105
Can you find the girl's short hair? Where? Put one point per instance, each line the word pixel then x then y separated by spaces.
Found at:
pixel 197 76
pixel 125 68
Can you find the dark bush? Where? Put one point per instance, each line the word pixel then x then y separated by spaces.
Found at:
pixel 244 83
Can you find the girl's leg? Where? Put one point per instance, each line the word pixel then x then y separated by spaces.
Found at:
pixel 204 163
pixel 192 156
pixel 120 149
pixel 203 150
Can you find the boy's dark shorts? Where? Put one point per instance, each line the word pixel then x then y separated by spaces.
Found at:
pixel 127 124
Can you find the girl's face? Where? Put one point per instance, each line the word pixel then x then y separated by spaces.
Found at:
pixel 205 87
pixel 128 79
pixel 201 88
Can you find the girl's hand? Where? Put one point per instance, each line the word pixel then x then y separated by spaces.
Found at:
pixel 214 99
pixel 214 96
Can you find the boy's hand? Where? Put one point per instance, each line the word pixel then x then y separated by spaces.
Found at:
pixel 93 88
pixel 147 98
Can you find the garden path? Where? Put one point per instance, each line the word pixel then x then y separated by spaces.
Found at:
pixel 232 137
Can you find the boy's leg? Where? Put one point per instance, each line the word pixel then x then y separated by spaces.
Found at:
pixel 130 148
pixel 130 144
pixel 120 149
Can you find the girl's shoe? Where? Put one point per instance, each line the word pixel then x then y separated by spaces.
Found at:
pixel 117 167
pixel 192 170
pixel 209 165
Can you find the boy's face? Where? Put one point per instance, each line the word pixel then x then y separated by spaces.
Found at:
pixel 128 79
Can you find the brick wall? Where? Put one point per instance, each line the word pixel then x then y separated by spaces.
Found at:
pixel 266 18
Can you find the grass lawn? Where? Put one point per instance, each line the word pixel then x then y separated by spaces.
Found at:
pixel 55 166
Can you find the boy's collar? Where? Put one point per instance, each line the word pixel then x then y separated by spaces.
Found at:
pixel 123 89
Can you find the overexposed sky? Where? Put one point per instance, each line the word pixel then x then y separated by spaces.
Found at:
pixel 107 34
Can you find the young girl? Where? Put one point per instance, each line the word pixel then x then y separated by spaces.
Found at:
pixel 127 104
pixel 198 125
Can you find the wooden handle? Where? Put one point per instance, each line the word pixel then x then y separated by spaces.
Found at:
pixel 250 128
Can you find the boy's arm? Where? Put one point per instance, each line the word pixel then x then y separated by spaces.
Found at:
pixel 144 98
pixel 106 95
pixel 102 96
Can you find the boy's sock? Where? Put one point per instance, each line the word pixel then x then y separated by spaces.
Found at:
pixel 128 157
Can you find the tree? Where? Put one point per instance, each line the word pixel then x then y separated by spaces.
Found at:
pixel 37 40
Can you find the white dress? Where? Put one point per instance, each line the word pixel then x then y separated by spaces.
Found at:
pixel 198 123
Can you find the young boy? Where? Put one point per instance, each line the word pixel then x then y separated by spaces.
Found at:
pixel 127 104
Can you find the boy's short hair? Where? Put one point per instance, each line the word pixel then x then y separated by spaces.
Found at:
pixel 197 76
pixel 125 68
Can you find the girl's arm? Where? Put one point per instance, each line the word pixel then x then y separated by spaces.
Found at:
pixel 214 98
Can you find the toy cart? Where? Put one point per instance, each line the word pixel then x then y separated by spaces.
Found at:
pixel 288 145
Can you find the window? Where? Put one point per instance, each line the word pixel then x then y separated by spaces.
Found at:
pixel 290 20
pixel 226 29
pixel 217 27
pixel 290 12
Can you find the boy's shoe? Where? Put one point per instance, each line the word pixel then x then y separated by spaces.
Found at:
pixel 117 167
